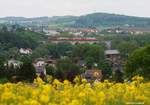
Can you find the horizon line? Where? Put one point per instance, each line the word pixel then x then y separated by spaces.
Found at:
pixel 75 15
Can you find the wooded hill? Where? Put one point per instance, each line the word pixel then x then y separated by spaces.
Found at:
pixel 90 20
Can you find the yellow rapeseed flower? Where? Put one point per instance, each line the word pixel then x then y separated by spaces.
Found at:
pixel 66 93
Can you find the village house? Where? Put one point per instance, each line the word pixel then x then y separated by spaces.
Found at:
pixel 51 32
pixel 116 30
pixel 25 51
pixel 39 65
pixel 114 57
pixel 137 30
pixel 71 30
pixel 89 30
pixel 77 34
pixel 92 75
pixel 13 63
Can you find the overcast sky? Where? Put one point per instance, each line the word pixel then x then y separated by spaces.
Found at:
pixel 37 8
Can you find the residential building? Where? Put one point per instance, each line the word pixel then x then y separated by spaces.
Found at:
pixel 51 32
pixel 25 51
pixel 115 59
pixel 92 75
pixel 112 55
pixel 13 63
pixel 39 65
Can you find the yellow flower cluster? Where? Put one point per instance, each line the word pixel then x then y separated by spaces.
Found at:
pixel 66 93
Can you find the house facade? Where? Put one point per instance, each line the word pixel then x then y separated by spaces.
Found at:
pixel 114 57
pixel 13 63
pixel 25 51
pixel 39 65
pixel 92 75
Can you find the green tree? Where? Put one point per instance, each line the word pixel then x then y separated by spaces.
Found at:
pixel 63 49
pixel 14 53
pixel 60 49
pixel 4 29
pixel 105 66
pixel 1 67
pixel 118 76
pixel 89 62
pixel 138 63
pixel 126 48
pixel 67 70
pixel 40 51
pixel 84 51
pixel 27 71
pixel 50 70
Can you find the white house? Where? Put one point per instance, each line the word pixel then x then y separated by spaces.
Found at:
pixel 25 51
pixel 51 32
pixel 13 63
pixel 39 65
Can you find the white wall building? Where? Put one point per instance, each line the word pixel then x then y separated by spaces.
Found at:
pixel 25 51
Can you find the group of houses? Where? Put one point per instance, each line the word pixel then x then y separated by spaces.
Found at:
pixel 57 31
pixel 127 30
pixel 91 75
pixel 80 30
pixel 16 63
pixel 39 64
pixel 113 56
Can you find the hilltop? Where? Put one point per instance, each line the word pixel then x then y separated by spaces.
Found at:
pixel 89 20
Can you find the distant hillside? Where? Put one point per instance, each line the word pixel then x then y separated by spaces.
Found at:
pixel 40 20
pixel 108 20
pixel 90 20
